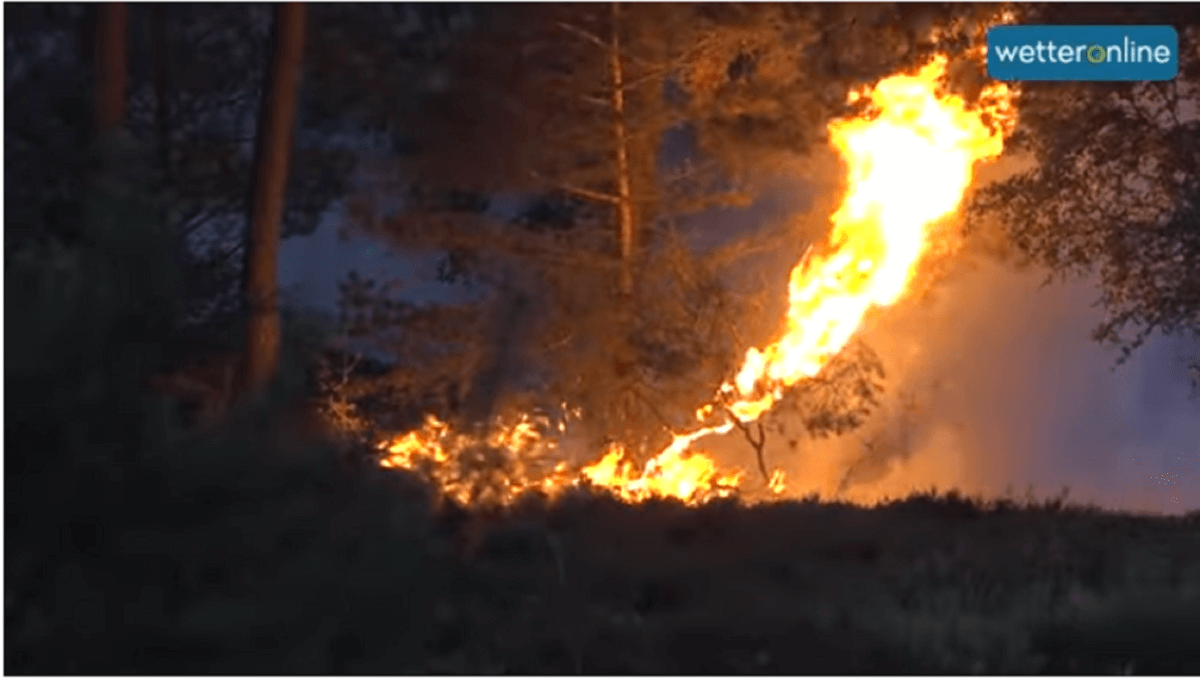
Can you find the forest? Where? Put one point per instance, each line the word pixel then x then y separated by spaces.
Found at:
pixel 640 415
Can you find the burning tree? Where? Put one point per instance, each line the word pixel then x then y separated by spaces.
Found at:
pixel 565 104
pixel 634 358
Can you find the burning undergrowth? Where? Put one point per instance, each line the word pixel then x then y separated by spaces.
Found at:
pixel 520 455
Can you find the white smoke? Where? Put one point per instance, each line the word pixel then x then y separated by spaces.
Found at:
pixel 994 386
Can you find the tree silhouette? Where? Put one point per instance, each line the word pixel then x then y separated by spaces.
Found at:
pixel 272 159
pixel 1115 189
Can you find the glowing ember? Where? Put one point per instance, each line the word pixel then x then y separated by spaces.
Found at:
pixel 909 164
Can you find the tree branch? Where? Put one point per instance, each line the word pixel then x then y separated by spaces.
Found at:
pixel 190 222
pixel 728 254
pixel 756 444
pixel 586 35
pixel 475 234
pixel 597 101
pixel 590 194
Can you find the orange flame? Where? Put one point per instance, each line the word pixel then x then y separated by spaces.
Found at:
pixel 673 473
pixel 908 167
pixel 445 457
pixel 513 459
pixel 909 164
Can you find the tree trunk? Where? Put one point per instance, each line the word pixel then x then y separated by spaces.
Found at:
pixel 111 46
pixel 621 140
pixel 272 157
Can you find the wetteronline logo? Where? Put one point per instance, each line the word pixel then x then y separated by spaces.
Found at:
pixel 1079 53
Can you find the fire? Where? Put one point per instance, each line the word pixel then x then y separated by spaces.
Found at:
pixel 909 163
pixel 673 473
pixel 514 458
pixel 908 166
pixel 502 466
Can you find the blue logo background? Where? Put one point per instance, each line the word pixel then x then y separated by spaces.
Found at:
pixel 1123 53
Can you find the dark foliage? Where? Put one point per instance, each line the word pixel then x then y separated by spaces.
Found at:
pixel 1114 192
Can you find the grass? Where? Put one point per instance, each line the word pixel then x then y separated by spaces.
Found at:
pixel 222 560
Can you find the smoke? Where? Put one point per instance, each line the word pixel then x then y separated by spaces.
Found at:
pixel 994 386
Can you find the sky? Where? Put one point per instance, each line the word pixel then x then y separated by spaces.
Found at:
pixel 1010 392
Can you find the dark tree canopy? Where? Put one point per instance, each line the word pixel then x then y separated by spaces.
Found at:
pixel 1116 186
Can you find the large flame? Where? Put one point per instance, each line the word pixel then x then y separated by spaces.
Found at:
pixel 908 166
pixel 909 162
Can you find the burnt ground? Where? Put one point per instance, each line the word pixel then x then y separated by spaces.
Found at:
pixel 212 559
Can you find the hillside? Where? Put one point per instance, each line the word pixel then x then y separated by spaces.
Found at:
pixel 212 563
